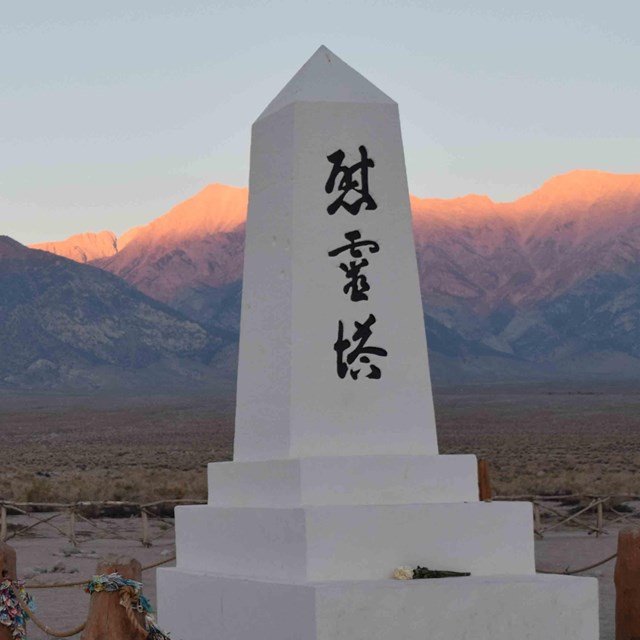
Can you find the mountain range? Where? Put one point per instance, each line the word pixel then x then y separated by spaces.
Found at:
pixel 546 286
pixel 65 324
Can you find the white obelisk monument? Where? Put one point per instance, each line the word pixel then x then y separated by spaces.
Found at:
pixel 336 478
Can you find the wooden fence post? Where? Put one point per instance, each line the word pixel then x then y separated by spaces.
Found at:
pixel 72 526
pixel 599 519
pixel 8 561
pixel 627 581
pixel 7 570
pixel 3 523
pixel 108 619
pixel 537 520
pixel 146 542
pixel 484 481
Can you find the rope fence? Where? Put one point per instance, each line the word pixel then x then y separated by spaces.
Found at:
pixel 83 511
pixel 128 615
pixel 131 599
pixel 592 513
pixel 83 583
pixel 574 572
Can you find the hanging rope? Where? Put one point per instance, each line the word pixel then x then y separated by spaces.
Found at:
pixel 132 600
pixel 44 627
pixel 13 610
pixel 84 583
pixel 566 572
pixel 16 606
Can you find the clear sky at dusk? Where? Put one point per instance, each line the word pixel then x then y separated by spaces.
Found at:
pixel 113 112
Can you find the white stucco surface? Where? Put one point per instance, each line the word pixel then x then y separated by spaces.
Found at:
pixel 324 76
pixel 355 542
pixel 344 480
pixel 196 606
pixel 291 401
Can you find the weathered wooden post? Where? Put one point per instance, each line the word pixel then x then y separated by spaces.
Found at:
pixel 146 542
pixel 72 526
pixel 8 570
pixel 484 481
pixel 3 523
pixel 537 520
pixel 108 619
pixel 599 519
pixel 7 561
pixel 627 581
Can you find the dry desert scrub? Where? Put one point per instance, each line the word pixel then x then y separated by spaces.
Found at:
pixel 547 442
pixel 144 449
pixel 112 449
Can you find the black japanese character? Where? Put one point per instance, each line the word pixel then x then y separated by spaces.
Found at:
pixel 348 183
pixel 360 353
pixel 354 245
pixel 357 285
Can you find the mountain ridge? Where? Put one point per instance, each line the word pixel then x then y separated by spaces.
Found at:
pixel 537 285
pixel 192 215
pixel 66 323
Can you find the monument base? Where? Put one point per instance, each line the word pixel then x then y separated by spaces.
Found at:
pixel 198 606
pixel 359 542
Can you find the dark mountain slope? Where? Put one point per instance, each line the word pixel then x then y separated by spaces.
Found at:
pixel 59 319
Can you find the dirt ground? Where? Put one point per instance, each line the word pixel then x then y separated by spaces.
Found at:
pixel 539 440
pixel 63 609
pixel 559 551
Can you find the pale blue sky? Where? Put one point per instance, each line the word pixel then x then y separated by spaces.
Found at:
pixel 112 112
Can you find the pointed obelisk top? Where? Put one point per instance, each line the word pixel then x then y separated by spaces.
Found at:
pixel 333 357
pixel 326 78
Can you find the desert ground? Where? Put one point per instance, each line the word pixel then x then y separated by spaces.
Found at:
pixel 538 440
pixel 549 440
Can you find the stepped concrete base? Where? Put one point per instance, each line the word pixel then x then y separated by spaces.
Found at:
pixel 355 542
pixel 196 606
pixel 373 479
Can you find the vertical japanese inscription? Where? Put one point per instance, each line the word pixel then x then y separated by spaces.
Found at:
pixel 352 184
pixel 360 352
pixel 357 284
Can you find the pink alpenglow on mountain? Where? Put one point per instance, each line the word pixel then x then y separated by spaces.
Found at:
pixel 548 281
pixel 536 247
pixel 83 247
pixel 217 208
pixel 471 249
pixel 199 243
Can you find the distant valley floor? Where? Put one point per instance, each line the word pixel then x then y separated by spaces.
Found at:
pixel 538 439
